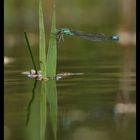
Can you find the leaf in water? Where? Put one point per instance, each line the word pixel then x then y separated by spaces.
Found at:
pixel 52 99
pixel 43 110
pixel 30 103
pixel 51 72
pixel 52 50
pixel 32 120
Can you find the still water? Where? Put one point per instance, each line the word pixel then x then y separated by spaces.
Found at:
pixel 86 103
pixel 98 105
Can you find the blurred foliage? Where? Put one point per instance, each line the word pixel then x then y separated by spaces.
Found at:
pixel 23 14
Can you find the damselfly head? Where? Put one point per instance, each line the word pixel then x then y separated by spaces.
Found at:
pixel 115 37
pixel 65 31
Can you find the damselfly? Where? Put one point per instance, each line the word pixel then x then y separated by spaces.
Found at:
pixel 89 36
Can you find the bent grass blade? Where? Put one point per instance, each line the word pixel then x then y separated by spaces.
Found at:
pixel 30 51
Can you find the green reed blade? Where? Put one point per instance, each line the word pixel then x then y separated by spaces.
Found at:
pixel 42 58
pixel 30 51
pixel 51 72
pixel 42 44
pixel 52 50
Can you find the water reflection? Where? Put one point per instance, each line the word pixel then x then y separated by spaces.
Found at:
pixel 83 133
pixel 7 133
pixel 8 60
pixel 48 95
pixel 102 119
pixel 125 108
pixel 85 105
pixel 30 103
pixel 124 105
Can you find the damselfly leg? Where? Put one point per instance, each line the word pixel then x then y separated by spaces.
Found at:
pixel 60 35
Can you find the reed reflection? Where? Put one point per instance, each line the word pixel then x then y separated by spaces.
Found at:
pixel 46 112
pixel 125 108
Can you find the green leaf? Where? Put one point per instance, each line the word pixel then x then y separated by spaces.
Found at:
pixel 42 44
pixel 52 50
pixel 42 58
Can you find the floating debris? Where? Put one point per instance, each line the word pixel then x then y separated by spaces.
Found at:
pixel 69 74
pixel 38 75
pixel 66 74
pixel 33 74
